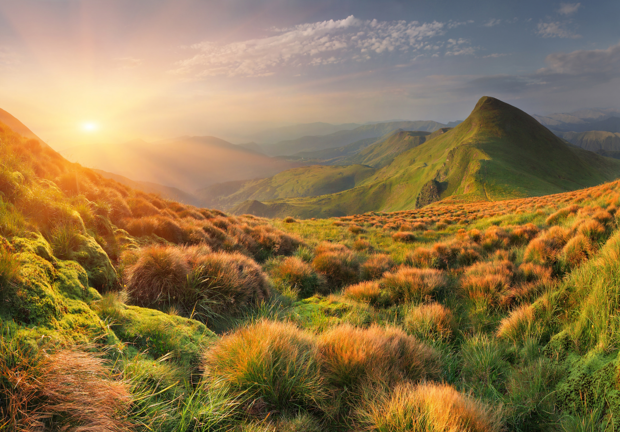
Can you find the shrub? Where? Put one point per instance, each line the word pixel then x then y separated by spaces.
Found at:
pixel 273 364
pixel 367 292
pixel 289 219
pixel 409 284
pixel 299 275
pixel 404 237
pixel 430 321
pixel 158 279
pixel 353 356
pixel 375 266
pixel 429 407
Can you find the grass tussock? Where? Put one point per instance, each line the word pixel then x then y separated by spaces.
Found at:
pixel 270 365
pixel 374 267
pixel 68 389
pixel 429 408
pixel 365 292
pixel 353 356
pixel 195 281
pixel 299 275
pixel 412 285
pixel 430 322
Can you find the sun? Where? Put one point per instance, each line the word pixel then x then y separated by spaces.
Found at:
pixel 90 127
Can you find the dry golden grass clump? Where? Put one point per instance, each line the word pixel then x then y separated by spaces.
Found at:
pixel 430 321
pixel 225 282
pixel 362 245
pixel 409 284
pixel 544 249
pixel 289 219
pixel 365 292
pixel 375 266
pixel 273 364
pixel 404 237
pixel 562 214
pixel 592 229
pixel 577 250
pixel 356 229
pixel 352 356
pixel 517 326
pixel 195 281
pixel 68 390
pixel 429 407
pixel 488 281
pixel 337 264
pixel 159 277
pixel 300 276
pixel 422 258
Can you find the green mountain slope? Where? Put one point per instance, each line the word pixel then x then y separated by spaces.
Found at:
pixel 342 138
pixel 498 152
pixel 298 182
pixel 383 152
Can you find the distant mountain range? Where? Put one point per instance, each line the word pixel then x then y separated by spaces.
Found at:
pixel 498 152
pixel 344 137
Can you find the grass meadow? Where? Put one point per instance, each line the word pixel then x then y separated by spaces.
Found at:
pixel 120 310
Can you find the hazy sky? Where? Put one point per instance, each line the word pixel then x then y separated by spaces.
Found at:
pixel 161 68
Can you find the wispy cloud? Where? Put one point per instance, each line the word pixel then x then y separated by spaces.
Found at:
pixel 568 8
pixel 320 43
pixel 564 72
pixel 555 30
pixel 492 22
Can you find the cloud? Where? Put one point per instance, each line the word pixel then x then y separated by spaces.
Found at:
pixel 459 47
pixel 564 72
pixel 315 44
pixel 555 30
pixel 600 63
pixel 494 55
pixel 568 8
pixel 492 22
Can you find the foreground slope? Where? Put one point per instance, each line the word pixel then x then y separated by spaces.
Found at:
pixel 122 311
pixel 498 152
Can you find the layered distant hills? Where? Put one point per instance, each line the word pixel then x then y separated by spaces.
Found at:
pixel 186 163
pixel 344 137
pixel 498 152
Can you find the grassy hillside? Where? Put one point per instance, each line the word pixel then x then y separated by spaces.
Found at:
pixel 122 311
pixel 498 152
pixel 382 153
pixel 299 182
pixel 342 138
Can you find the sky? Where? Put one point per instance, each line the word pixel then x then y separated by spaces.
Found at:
pixel 96 71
